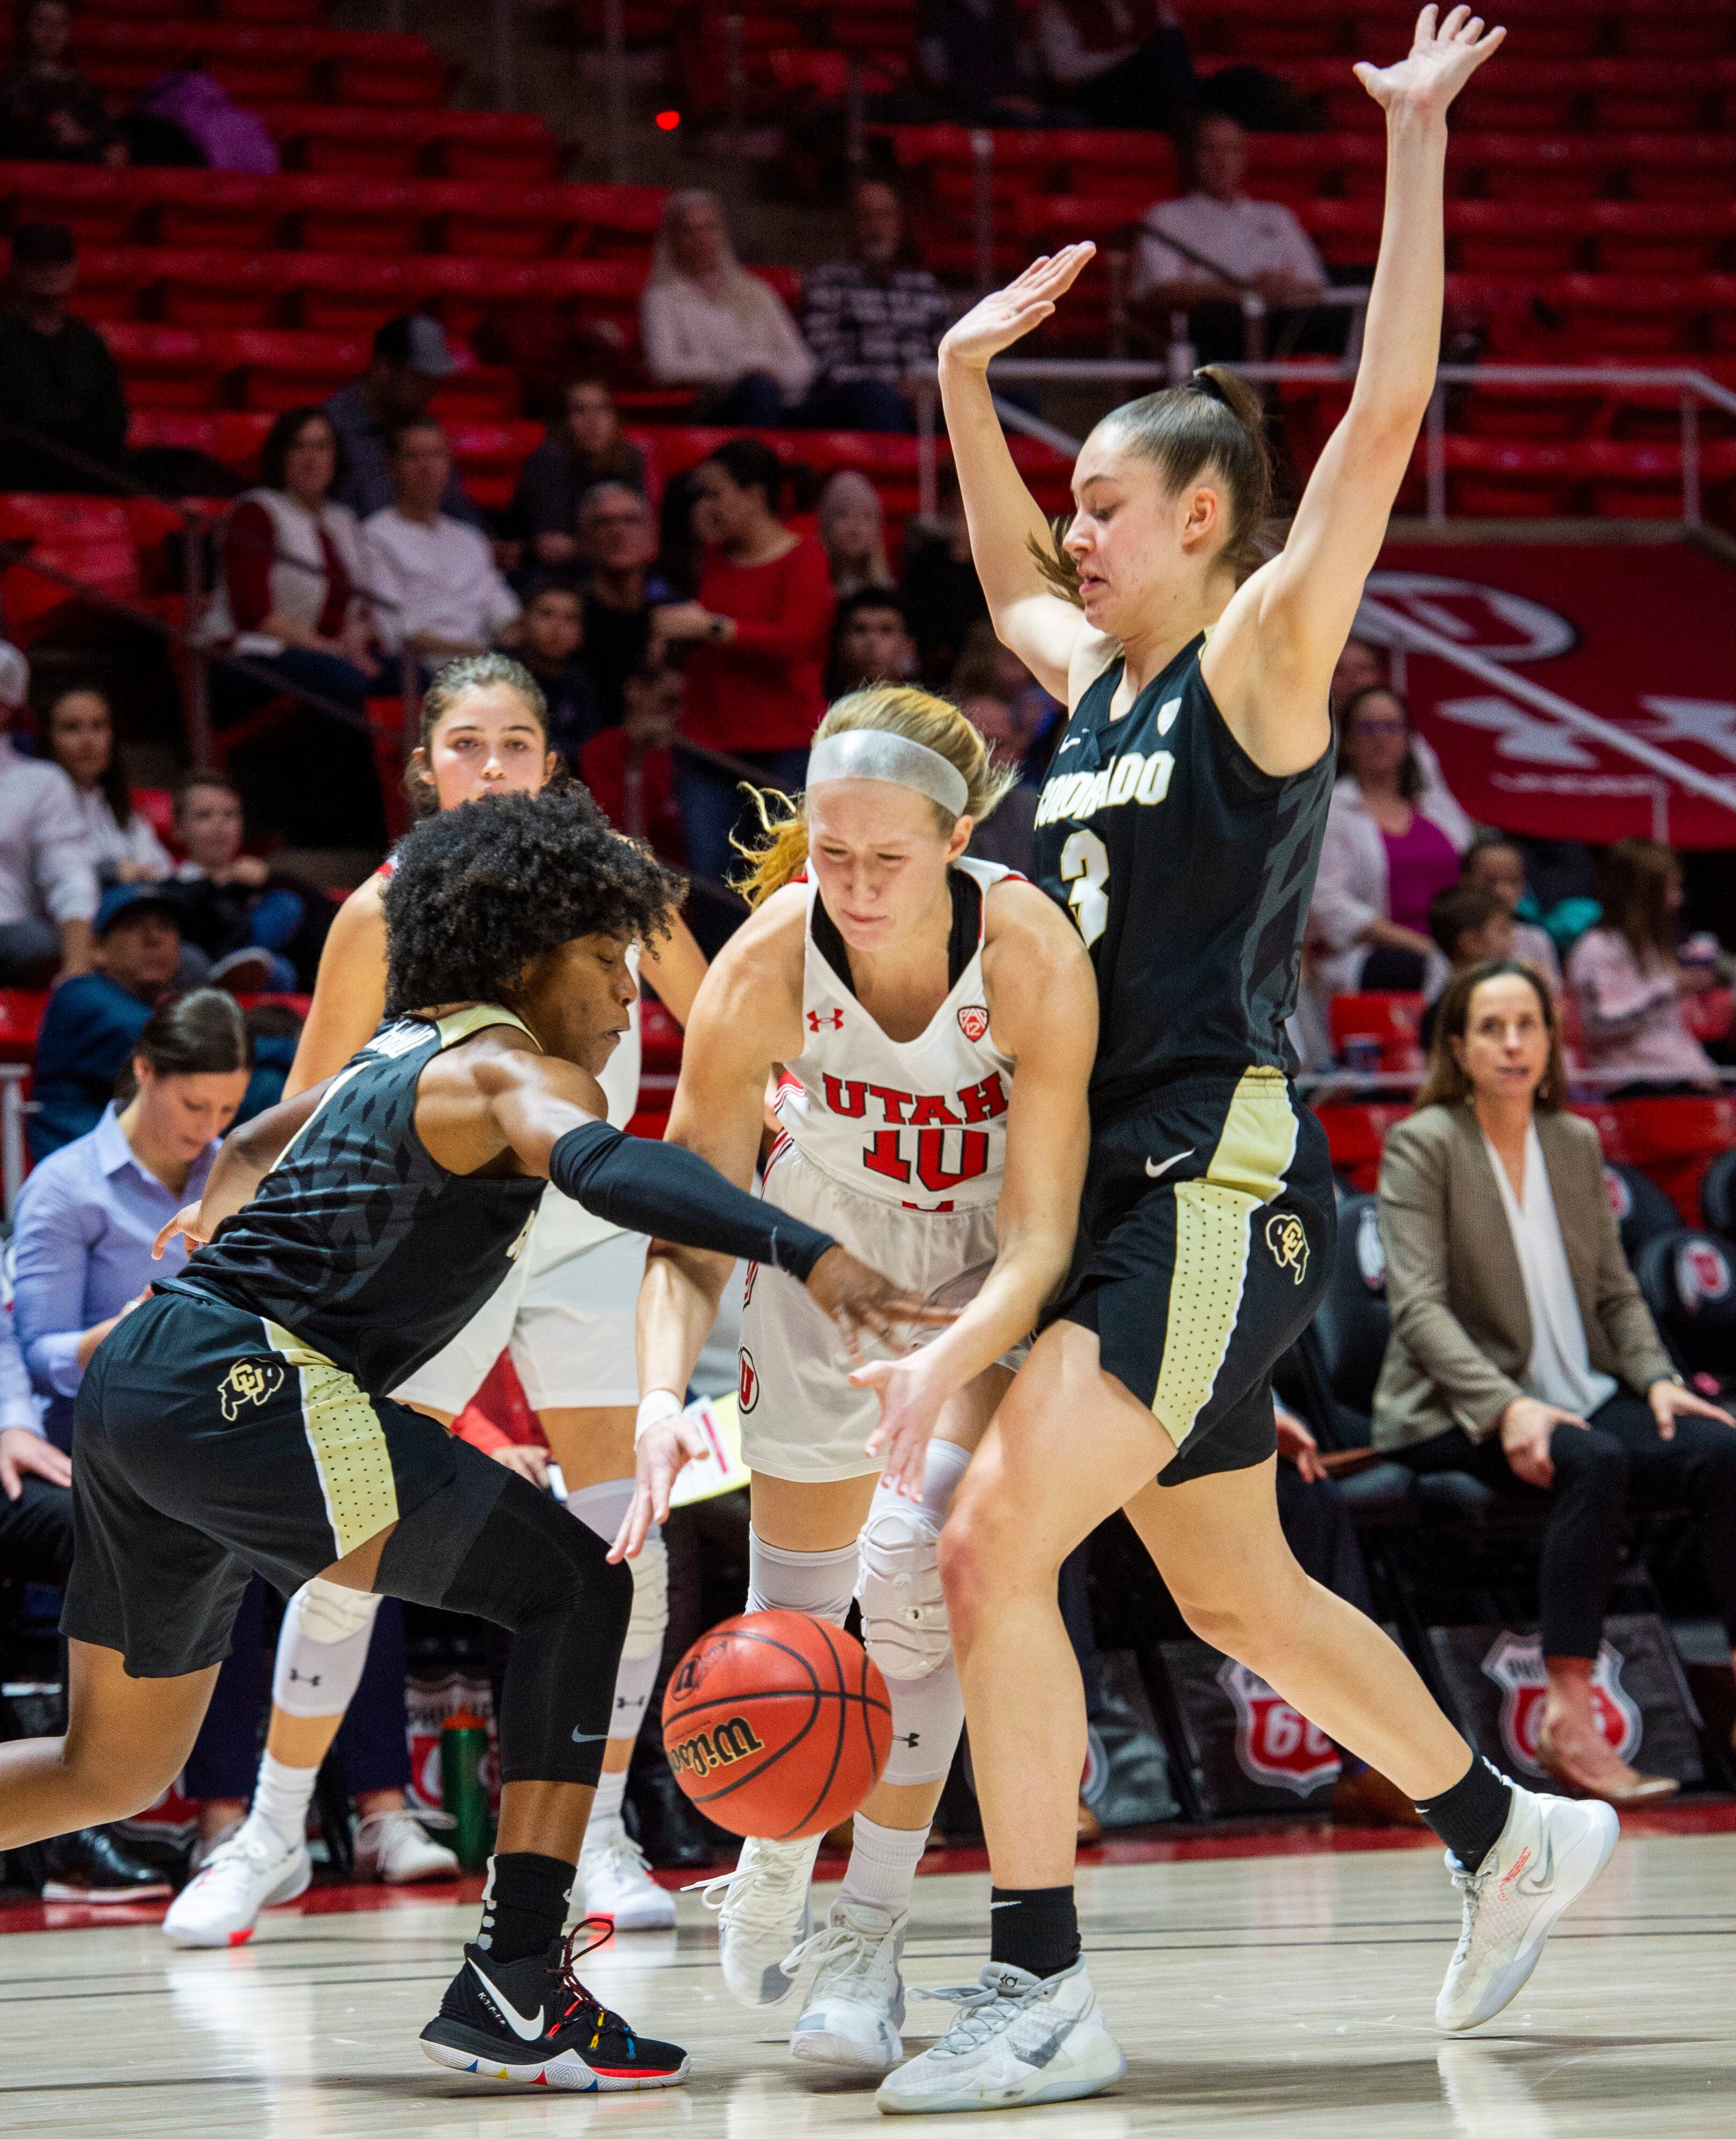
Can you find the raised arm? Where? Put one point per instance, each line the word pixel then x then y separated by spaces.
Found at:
pixel 1042 1005
pixel 1037 623
pixel 1271 658
pixel 349 990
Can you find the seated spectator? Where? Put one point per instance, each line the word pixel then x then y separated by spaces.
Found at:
pixel 1629 981
pixel 1470 928
pixel 49 113
pixel 92 1022
pixel 550 640
pixel 871 642
pixel 618 545
pixel 872 319
pixel 188 117
pixel 586 445
pixel 409 359
pixel 87 1215
pixel 707 323
pixel 942 595
pixel 631 769
pixel 1199 253
pixel 1361 666
pixel 973 61
pixel 447 596
pixel 259 929
pixel 853 531
pixel 56 375
pixel 48 887
pixel 287 601
pixel 1121 63
pixel 1521 1350
pixel 758 635
pixel 1394 835
pixel 124 845
pixel 1493 863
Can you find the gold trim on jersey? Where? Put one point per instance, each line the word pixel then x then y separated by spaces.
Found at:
pixel 347 1442
pixel 1214 1231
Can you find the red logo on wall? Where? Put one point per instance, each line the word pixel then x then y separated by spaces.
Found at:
pixel 750 1395
pixel 973 1021
pixel 1275 1744
pixel 1516 1664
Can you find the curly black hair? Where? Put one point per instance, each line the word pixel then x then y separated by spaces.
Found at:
pixel 477 893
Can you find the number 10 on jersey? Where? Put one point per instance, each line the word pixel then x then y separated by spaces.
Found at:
pixel 1085 865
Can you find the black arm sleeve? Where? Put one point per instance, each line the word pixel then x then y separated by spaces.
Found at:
pixel 673 1195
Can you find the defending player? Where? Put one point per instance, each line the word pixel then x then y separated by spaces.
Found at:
pixel 237 1419
pixel 565 1311
pixel 1181 823
pixel 935 1019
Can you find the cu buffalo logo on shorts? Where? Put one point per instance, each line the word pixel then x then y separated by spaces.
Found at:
pixel 750 1391
pixel 973 1021
pixel 1289 1243
pixel 718 1748
pixel 249 1382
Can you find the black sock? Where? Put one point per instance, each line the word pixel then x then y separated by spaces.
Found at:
pixel 1469 1817
pixel 1034 1928
pixel 524 1905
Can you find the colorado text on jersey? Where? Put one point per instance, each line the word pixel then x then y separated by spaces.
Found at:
pixel 1133 778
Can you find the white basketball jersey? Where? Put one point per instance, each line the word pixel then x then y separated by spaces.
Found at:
pixel 920 1122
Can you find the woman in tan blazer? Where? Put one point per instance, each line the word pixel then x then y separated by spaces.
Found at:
pixel 1521 1349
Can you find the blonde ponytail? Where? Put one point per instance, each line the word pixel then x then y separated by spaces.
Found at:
pixel 898 709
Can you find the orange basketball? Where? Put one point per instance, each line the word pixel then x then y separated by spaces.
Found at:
pixel 777 1724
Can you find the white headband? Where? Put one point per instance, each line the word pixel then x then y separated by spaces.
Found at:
pixel 878 754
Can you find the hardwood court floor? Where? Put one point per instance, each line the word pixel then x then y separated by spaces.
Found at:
pixel 1283 1993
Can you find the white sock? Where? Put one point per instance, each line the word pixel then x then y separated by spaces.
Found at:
pixel 882 1866
pixel 606 1805
pixel 280 1799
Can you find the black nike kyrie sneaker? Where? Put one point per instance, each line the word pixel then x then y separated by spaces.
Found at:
pixel 534 2021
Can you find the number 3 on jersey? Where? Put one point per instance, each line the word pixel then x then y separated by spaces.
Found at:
pixel 1085 865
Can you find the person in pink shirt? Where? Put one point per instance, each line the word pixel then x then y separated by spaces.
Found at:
pixel 1630 983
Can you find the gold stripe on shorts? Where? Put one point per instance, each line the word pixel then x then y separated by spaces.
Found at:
pixel 1212 1233
pixel 348 1443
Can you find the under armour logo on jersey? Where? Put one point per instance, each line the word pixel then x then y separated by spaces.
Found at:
pixel 814 1018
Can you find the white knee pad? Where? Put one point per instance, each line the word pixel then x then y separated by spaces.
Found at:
pixel 782 1581
pixel 899 1582
pixel 928 1716
pixel 322 1648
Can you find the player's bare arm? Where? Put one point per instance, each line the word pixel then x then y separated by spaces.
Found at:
pixel 349 989
pixel 1042 997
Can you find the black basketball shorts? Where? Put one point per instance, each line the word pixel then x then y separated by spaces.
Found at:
pixel 208 1442
pixel 1205 1238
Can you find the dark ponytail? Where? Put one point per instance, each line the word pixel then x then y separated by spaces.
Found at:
pixel 202 1033
pixel 1214 421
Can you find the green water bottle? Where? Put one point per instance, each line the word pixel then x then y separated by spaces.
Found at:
pixel 463 1788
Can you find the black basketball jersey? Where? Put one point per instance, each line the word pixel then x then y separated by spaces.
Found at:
pixel 1189 872
pixel 356 1241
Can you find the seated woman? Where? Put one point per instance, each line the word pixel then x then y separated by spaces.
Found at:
pixel 853 533
pixel 1493 862
pixel 1629 984
pixel 1394 835
pixel 1521 1352
pixel 585 446
pixel 708 323
pixel 81 742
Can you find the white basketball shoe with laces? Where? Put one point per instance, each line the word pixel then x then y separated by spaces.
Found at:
pixel 762 1909
pixel 253 1870
pixel 855 2004
pixel 617 1880
pixel 1019 2039
pixel 1550 1850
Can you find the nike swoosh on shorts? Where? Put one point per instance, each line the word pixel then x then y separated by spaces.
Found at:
pixel 1174 1159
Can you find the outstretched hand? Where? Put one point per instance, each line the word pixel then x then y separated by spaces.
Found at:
pixel 1006 315
pixel 185 1223
pixel 1442 58
pixel 863 1303
pixel 663 1453
pixel 911 1403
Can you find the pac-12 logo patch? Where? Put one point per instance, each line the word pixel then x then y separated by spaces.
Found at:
pixel 1289 1243
pixel 973 1021
pixel 750 1392
pixel 249 1382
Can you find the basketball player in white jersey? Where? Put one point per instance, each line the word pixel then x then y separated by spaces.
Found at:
pixel 565 1313
pixel 932 1020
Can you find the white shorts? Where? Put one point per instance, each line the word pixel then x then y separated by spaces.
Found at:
pixel 566 1312
pixel 800 1418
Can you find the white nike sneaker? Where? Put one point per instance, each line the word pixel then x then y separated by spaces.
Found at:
pixel 617 1880
pixel 762 1909
pixel 1550 1850
pixel 399 1850
pixel 1020 2038
pixel 855 2005
pixel 253 1870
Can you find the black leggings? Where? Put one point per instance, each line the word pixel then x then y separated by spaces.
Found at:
pixel 1616 1465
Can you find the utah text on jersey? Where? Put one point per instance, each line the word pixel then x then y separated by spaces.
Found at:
pixel 1131 778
